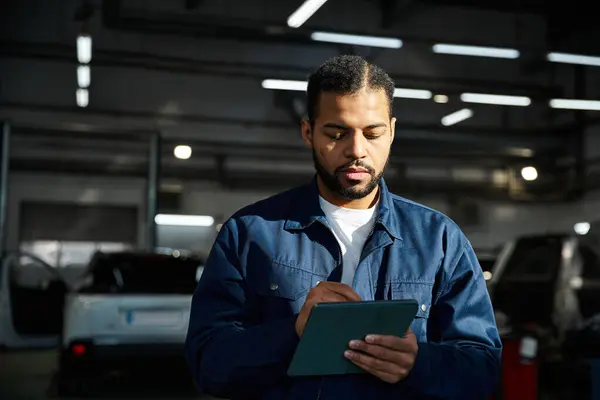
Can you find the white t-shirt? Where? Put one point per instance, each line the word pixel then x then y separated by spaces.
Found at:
pixel 351 228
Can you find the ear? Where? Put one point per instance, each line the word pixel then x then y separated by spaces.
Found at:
pixel 393 128
pixel 307 134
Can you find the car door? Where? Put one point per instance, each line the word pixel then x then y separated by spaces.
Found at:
pixel 31 302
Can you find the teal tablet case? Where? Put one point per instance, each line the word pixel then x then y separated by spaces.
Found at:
pixel 331 326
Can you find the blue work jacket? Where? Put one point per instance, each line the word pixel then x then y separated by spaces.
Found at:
pixel 268 256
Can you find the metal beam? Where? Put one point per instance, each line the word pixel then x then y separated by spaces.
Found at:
pixel 394 11
pixel 260 71
pixel 153 182
pixel 563 22
pixel 117 17
pixel 276 181
pixel 471 133
pixel 530 7
pixel 4 168
pixel 122 136
pixel 419 153
pixel 192 4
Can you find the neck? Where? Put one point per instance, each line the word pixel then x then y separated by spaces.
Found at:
pixel 366 202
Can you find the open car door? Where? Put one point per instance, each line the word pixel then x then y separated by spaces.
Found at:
pixel 32 295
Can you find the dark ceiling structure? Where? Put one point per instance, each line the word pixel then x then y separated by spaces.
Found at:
pixel 550 139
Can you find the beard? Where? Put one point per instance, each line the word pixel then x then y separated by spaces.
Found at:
pixel 352 192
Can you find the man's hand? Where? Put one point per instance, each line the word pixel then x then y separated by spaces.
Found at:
pixel 389 358
pixel 324 292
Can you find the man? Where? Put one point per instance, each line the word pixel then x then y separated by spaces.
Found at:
pixel 343 237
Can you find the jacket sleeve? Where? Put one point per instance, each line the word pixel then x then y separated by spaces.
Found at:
pixel 224 350
pixel 462 358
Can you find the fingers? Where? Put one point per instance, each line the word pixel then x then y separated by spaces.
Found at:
pixel 404 344
pixel 338 288
pixel 374 365
pixel 324 292
pixel 329 297
pixel 320 295
pixel 376 351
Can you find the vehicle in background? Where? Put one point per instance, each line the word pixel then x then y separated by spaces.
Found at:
pixel 536 306
pixel 131 309
pixel 532 283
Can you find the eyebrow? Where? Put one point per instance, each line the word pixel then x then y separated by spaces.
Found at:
pixel 342 126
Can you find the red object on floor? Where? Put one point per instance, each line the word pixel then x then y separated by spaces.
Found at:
pixel 519 377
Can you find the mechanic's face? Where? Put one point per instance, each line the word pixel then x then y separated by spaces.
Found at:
pixel 351 141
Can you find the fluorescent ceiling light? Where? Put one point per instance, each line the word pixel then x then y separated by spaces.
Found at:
pixel 496 99
pixel 457 117
pixel 83 76
pixel 573 104
pixel 281 84
pixel 476 51
pixel 574 59
pixel 82 97
pixel 440 98
pixel 304 12
pixel 84 49
pixel 520 151
pixel 412 93
pixel 182 152
pixel 358 40
pixel 184 220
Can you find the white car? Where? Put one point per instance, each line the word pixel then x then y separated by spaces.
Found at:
pixel 131 310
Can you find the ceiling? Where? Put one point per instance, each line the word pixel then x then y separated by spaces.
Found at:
pixel 191 72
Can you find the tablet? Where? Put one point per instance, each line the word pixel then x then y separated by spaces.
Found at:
pixel 331 327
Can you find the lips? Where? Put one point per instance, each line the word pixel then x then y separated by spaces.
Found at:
pixel 355 174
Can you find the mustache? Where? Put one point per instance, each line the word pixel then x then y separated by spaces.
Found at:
pixel 356 164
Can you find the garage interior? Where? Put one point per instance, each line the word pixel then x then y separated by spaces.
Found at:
pixel 120 116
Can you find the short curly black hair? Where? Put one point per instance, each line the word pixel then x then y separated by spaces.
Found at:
pixel 346 74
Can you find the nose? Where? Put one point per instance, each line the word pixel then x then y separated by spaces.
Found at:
pixel 356 148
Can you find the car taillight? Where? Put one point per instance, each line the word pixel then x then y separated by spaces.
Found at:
pixel 78 350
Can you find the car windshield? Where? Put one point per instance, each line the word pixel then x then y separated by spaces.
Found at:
pixel 133 273
pixel 525 289
pixel 535 258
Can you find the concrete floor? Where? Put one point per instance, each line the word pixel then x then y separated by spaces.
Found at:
pixel 29 375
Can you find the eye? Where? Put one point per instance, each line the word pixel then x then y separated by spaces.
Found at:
pixel 373 135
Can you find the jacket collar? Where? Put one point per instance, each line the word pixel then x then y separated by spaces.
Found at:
pixel 307 210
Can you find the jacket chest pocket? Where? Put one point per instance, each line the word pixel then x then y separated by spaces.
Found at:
pixel 283 290
pixel 422 292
